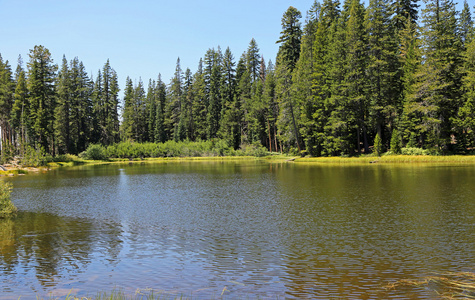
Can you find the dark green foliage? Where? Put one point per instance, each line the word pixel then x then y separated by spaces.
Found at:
pixel 41 78
pixel 378 145
pixel 287 57
pixel 7 87
pixel 290 37
pixel 105 106
pixel 20 108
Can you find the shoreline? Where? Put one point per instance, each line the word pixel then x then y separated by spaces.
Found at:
pixel 12 170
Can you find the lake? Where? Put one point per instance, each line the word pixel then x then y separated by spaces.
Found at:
pixel 238 229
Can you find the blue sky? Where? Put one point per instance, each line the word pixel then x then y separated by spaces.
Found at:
pixel 141 38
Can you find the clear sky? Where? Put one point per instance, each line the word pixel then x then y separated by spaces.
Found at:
pixel 141 38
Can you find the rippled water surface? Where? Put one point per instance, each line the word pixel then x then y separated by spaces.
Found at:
pixel 238 229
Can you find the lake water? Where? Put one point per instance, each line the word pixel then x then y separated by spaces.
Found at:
pixel 240 230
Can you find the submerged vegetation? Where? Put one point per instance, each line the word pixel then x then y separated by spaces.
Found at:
pixel 7 208
pixel 458 285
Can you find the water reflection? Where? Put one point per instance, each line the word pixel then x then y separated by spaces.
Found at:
pixel 40 250
pixel 248 229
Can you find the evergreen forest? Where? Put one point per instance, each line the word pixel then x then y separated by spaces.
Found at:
pixel 347 80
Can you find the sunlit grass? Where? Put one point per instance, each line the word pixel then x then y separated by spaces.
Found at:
pixel 462 159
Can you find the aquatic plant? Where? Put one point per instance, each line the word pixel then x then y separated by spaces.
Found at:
pixel 455 285
pixel 7 208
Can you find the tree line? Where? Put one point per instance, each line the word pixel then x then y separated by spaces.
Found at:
pixel 350 80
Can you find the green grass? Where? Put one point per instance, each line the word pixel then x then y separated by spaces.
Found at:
pixel 392 159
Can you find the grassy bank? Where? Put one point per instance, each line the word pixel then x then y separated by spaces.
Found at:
pixel 391 159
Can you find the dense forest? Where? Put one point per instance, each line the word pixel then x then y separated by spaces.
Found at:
pixel 347 80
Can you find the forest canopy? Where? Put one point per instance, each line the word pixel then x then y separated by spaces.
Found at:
pixel 347 80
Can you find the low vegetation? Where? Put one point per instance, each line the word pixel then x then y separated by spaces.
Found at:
pixel 209 148
pixel 7 208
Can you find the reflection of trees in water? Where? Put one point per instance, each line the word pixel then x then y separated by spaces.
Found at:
pixel 54 246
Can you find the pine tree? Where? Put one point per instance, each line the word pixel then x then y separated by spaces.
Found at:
pixel 439 88
pixel 106 106
pixel 271 109
pixel 465 120
pixel 466 25
pixel 253 59
pixel 315 116
pixel 139 113
pixel 174 102
pixel 243 97
pixel 382 67
pixel 41 77
pixel 97 109
pixel 112 100
pixel 335 126
pixel 214 105
pixel 302 82
pixel 185 123
pixel 229 127
pixel 62 110
pixel 151 108
pixel 404 10
pixel 82 113
pixel 128 111
pixel 199 104
pixel 160 134
pixel 20 109
pixel 410 113
pixel 355 81
pixel 7 87
pixel 287 57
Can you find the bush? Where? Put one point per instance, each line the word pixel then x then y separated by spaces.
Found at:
pixel 35 157
pixel 414 151
pixel 94 152
pixel 6 206
pixel 65 158
pixel 254 149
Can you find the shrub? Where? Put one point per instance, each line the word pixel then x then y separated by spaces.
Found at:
pixel 6 206
pixel 414 151
pixel 254 149
pixel 65 158
pixel 35 157
pixel 7 153
pixel 94 152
